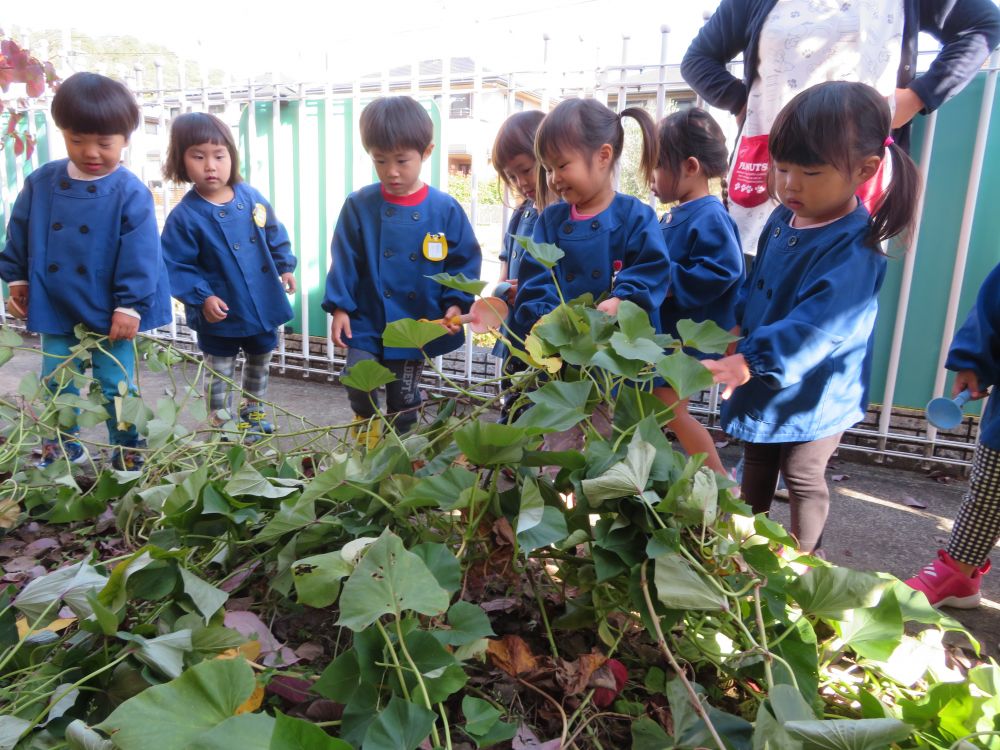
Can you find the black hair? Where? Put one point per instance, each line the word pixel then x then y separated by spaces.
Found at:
pixel 693 132
pixel 394 123
pixel 192 129
pixel 585 125
pixel 840 123
pixel 93 104
pixel 516 137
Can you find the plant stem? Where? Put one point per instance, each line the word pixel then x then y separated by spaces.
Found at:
pixel 420 677
pixel 662 643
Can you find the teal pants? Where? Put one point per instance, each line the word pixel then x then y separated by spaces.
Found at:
pixel 114 365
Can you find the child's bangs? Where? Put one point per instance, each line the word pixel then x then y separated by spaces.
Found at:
pixel 818 131
pixel 204 130
pixel 557 138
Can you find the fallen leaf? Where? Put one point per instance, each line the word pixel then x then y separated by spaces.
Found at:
pixel 252 703
pixel 10 511
pixel 324 710
pixel 20 564
pixel 511 654
pixel 11 547
pixel 55 626
pixel 574 677
pixel 40 545
pixel 525 739
pixel 238 577
pixel 309 650
pixel 604 695
pixel 839 477
pixel 913 503
pixel 500 605
pixel 292 689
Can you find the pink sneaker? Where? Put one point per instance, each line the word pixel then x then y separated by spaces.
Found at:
pixel 946 586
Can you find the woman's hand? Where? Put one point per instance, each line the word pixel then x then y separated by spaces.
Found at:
pixel 288 282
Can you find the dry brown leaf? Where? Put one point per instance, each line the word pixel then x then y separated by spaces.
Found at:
pixel 10 511
pixel 512 655
pixel 575 676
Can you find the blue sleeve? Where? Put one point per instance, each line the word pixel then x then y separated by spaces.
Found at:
pixel 709 266
pixel 14 258
pixel 976 345
pixel 724 36
pixel 137 268
pixel 464 256
pixel 645 264
pixel 278 242
pixel 838 289
pixel 180 253
pixel 346 255
pixel 968 31
pixel 536 291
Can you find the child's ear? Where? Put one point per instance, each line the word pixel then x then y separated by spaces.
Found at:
pixel 691 166
pixel 605 154
pixel 427 152
pixel 868 168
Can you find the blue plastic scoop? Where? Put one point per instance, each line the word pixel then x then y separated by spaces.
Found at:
pixel 946 413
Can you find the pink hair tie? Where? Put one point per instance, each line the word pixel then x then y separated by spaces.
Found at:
pixel 889 140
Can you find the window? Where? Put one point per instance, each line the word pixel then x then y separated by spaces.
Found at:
pixel 461 107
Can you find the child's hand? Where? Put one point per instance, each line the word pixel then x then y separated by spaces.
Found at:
pixel 733 371
pixel 610 305
pixel 452 312
pixel 124 327
pixel 967 379
pixel 512 292
pixel 214 309
pixel 17 303
pixel 340 328
pixel 288 282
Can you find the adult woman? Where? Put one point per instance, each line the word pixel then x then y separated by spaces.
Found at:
pixel 789 45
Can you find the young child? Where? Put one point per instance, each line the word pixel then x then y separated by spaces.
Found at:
pixel 83 247
pixel 706 265
pixel 514 160
pixel 390 237
pixel 578 144
pixel 953 579
pixel 230 263
pixel 799 377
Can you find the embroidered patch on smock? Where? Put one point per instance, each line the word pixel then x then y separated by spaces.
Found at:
pixel 435 247
pixel 259 215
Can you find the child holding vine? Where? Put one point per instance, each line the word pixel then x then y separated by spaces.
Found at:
pixel 800 375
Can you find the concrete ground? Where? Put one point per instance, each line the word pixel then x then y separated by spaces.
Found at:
pixel 875 521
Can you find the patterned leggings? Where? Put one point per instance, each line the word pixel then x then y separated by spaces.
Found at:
pixel 977 527
pixel 255 379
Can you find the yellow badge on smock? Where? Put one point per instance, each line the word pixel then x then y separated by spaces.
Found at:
pixel 435 246
pixel 259 215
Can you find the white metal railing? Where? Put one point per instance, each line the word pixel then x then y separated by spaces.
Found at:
pixel 318 358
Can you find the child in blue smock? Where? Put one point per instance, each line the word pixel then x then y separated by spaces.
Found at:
pixel 953 579
pixel 230 263
pixel 390 237
pixel 800 375
pixel 514 159
pixel 612 241
pixel 706 260
pixel 83 247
